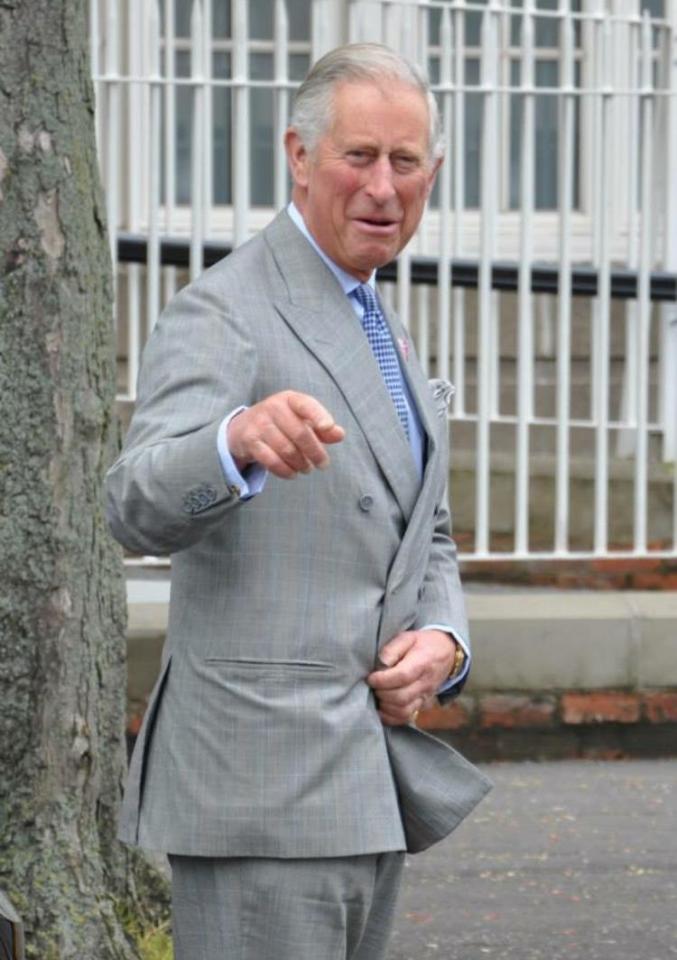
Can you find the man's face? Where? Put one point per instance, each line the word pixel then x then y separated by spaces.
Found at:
pixel 363 189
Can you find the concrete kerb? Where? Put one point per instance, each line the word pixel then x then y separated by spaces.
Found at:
pixel 532 639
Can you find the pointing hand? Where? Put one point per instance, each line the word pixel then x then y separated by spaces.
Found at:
pixel 286 433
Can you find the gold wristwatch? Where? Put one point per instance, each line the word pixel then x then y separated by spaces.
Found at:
pixel 459 662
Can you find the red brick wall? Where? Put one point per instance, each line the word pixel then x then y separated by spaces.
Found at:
pixel 600 723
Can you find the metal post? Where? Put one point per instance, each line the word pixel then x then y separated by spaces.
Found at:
pixel 489 175
pixel 525 350
pixel 241 124
pixel 197 151
pixel 566 179
pixel 644 301
pixel 281 59
pixel 153 268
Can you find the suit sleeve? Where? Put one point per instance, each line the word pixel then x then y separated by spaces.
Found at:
pixel 441 601
pixel 441 597
pixel 167 489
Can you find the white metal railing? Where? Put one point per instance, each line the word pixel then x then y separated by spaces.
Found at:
pixel 561 135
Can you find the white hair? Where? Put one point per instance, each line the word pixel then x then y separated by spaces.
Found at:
pixel 312 110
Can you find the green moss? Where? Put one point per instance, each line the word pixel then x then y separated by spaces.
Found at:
pixel 153 939
pixel 152 943
pixel 156 944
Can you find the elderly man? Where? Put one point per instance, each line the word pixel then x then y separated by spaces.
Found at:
pixel 288 452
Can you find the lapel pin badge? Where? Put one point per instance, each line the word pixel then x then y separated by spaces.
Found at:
pixel 403 344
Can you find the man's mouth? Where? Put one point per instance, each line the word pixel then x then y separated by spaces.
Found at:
pixel 377 224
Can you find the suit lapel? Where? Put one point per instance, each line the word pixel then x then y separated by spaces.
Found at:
pixel 416 381
pixel 420 392
pixel 319 312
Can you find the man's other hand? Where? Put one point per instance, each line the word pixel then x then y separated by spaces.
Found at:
pixel 286 433
pixel 417 663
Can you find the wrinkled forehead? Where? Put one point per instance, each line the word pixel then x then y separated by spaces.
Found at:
pixel 348 95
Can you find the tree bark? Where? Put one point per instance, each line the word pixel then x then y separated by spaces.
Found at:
pixel 62 601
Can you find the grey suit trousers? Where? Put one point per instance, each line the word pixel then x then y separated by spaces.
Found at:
pixel 257 908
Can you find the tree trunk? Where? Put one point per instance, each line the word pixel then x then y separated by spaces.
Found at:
pixel 62 603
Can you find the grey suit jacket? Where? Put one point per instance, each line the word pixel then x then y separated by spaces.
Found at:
pixel 261 737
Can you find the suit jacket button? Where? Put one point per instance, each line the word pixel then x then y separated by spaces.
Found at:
pixel 366 502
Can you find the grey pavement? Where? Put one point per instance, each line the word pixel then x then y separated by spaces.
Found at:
pixel 568 860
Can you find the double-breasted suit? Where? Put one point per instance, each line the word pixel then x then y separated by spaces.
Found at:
pixel 262 737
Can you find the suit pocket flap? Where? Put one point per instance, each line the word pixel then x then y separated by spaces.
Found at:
pixel 270 667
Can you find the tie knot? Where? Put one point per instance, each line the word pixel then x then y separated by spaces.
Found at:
pixel 367 298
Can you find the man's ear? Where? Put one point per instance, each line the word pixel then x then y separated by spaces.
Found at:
pixel 297 157
pixel 433 174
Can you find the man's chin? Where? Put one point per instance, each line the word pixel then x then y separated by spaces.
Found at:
pixel 375 256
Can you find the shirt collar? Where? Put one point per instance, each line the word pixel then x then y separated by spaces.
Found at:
pixel 348 282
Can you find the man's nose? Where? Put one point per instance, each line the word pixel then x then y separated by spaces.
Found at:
pixel 380 183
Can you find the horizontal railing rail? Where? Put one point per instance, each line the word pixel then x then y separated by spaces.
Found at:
pixel 545 278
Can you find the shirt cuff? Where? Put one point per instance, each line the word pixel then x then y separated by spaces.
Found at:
pixel 252 480
pixel 461 678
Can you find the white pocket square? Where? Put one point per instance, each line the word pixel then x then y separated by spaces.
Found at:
pixel 442 391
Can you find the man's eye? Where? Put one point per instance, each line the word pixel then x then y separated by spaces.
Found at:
pixel 358 156
pixel 404 164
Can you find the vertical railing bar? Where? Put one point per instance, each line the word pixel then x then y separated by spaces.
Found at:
pixel 658 193
pixel 197 164
pixel 602 356
pixel 153 269
pixel 485 325
pixel 418 53
pixel 597 181
pixel 207 195
pixel 241 132
pixel 633 165
pixel 444 268
pixel 281 70
pixel 525 318
pixel 404 259
pixel 459 209
pixel 169 273
pixel 644 295
pixel 111 154
pixel 496 160
pixel 585 85
pixel 135 184
pixel 566 178
pixel 136 89
pixel 504 79
pixel 625 439
pixel 669 313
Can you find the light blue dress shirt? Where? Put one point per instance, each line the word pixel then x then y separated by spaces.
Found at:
pixel 252 480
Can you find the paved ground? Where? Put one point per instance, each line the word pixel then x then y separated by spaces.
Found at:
pixel 563 861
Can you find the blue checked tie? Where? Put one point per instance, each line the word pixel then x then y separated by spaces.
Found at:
pixel 381 343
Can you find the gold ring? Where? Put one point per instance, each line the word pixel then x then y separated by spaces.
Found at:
pixel 414 717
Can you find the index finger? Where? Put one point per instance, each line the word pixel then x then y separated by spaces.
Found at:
pixel 403 673
pixel 310 409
